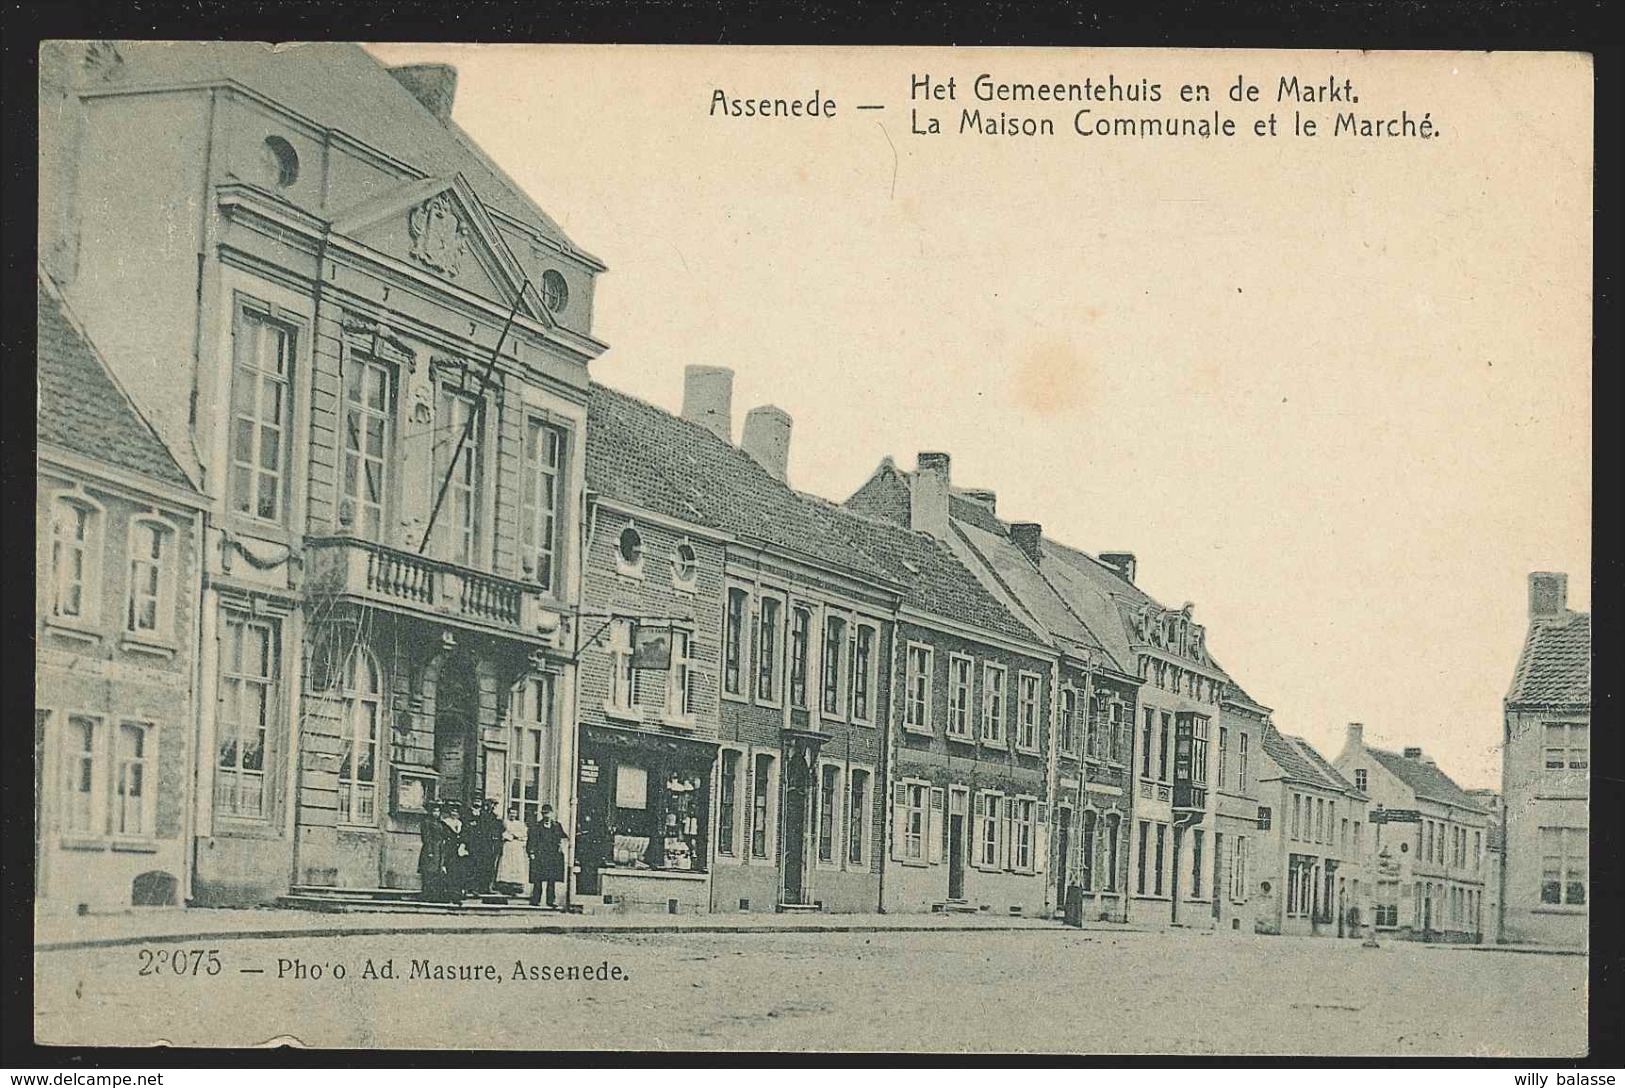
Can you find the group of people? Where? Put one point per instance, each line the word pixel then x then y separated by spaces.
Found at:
pixel 484 854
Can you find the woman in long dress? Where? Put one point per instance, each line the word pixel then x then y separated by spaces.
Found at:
pixel 513 871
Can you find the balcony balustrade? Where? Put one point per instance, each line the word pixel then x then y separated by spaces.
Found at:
pixel 363 570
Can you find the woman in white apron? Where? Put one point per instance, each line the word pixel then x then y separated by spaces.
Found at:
pixel 513 871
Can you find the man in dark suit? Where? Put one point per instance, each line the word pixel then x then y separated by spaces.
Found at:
pixel 485 846
pixel 432 854
pixel 545 845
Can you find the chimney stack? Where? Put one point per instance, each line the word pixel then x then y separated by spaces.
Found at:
pixel 1355 738
pixel 767 439
pixel 1548 595
pixel 434 85
pixel 708 397
pixel 1121 562
pixel 1026 535
pixel 928 495
pixel 1413 753
pixel 984 498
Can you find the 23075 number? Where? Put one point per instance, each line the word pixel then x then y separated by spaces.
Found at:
pixel 184 962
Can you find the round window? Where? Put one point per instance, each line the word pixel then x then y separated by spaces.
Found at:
pixel 1404 848
pixel 684 562
pixel 282 161
pixel 555 292
pixel 631 546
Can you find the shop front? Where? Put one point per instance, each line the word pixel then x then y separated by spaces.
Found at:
pixel 643 820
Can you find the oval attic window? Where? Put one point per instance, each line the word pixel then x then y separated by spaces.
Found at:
pixel 631 546
pixel 684 562
pixel 555 292
pixel 283 161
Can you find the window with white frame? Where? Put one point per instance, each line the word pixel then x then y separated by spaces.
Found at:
pixel 261 414
pixel 1145 743
pixel 1027 712
pixel 1360 779
pixel 857 811
pixel 1564 875
pixel 728 802
pixel 1238 869
pixel 358 753
pixel 761 808
pixel 75 552
pixel 733 641
pixel 915 798
pixel 250 676
pixel 368 425
pixel 1224 755
pixel 833 660
pixel 459 467
pixel 864 677
pixel 917 708
pixel 109 778
pixel 533 715
pixel 84 774
pixel 987 831
pixel 1024 827
pixel 680 678
pixel 133 795
pixel 1567 746
pixel 993 699
pixel 769 659
pixel 959 683
pixel 541 500
pixel 623 678
pixel 829 813
pixel 1118 739
pixel 1241 764
pixel 800 655
pixel 150 597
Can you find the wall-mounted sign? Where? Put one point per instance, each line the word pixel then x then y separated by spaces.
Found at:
pixel 1396 816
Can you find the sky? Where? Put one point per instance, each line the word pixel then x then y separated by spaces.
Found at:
pixel 1335 391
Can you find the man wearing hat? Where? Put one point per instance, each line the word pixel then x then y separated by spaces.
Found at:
pixel 459 877
pixel 432 854
pixel 545 845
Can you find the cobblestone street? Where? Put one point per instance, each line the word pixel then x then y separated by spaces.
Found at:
pixel 1047 990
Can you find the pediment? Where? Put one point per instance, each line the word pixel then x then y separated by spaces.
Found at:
pixel 439 226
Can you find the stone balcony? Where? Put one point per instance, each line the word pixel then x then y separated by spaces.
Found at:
pixel 361 570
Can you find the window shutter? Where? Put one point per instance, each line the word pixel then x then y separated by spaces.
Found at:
pixel 1041 845
pixel 1006 827
pixel 979 810
pixel 934 829
pixel 899 814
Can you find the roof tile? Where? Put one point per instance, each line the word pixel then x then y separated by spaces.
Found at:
pixel 81 407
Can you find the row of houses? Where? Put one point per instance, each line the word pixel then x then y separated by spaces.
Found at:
pixel 334 521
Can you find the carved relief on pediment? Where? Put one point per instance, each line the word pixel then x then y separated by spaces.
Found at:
pixel 439 238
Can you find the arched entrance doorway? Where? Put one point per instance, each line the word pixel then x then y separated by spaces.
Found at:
pixel 456 755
